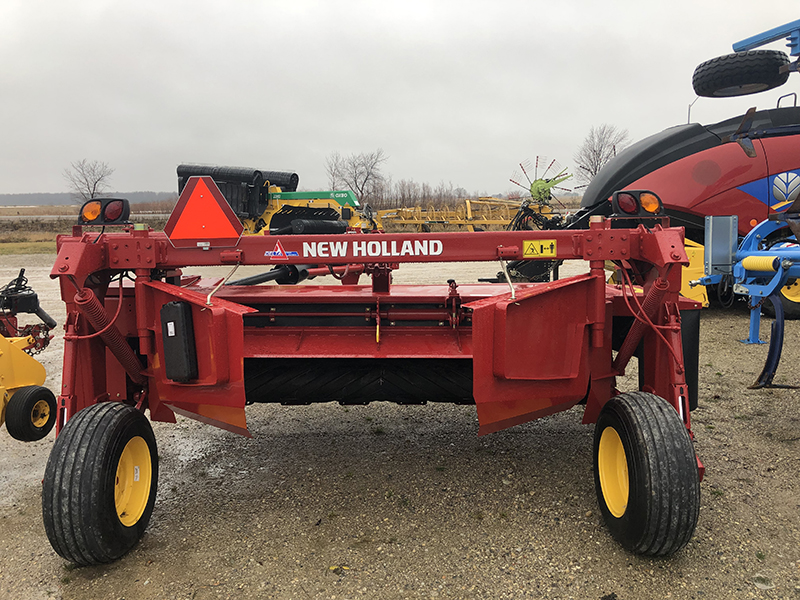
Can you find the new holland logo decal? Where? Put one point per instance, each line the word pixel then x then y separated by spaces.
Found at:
pixel 785 189
pixel 279 253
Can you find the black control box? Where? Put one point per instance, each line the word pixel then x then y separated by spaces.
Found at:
pixel 180 352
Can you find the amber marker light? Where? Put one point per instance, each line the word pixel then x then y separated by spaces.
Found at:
pixel 91 210
pixel 105 211
pixel 650 202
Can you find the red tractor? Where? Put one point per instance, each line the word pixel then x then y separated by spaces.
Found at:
pixel 747 166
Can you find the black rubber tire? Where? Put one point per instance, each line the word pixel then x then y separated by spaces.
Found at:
pixel 663 501
pixel 740 74
pixel 791 308
pixel 23 412
pixel 78 495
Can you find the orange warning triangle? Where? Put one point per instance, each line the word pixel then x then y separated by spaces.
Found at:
pixel 202 216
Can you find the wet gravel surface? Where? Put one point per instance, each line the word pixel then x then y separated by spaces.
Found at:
pixel 386 501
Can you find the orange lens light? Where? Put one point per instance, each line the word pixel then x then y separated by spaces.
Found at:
pixel 650 202
pixel 91 210
pixel 627 203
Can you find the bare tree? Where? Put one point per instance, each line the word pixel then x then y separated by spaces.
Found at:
pixel 599 147
pixel 407 192
pixel 88 179
pixel 334 167
pixel 360 173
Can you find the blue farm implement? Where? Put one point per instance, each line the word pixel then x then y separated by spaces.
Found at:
pixel 763 266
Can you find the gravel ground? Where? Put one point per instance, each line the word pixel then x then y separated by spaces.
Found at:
pixel 386 501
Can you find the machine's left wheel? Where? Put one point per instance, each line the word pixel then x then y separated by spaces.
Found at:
pixel 31 413
pixel 646 476
pixel 100 484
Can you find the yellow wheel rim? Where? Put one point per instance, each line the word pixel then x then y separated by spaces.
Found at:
pixel 132 485
pixel 792 291
pixel 612 466
pixel 40 414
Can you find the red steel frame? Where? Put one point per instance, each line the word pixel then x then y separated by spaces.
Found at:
pixel 540 350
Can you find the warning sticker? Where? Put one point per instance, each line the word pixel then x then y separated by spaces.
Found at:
pixel 539 248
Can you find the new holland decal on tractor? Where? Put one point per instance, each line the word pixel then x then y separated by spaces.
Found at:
pixel 144 335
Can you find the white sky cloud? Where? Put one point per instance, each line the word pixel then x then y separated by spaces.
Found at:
pixel 453 91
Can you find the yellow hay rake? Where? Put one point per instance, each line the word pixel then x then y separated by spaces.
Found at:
pixel 472 215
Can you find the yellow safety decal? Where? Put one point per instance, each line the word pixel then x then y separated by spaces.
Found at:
pixel 539 249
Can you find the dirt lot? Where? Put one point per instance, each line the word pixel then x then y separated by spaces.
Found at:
pixel 384 501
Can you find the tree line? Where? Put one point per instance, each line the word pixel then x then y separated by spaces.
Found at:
pixel 363 174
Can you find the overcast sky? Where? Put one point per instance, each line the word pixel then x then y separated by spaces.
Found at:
pixel 453 91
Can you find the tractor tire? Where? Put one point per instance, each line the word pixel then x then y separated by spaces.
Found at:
pixel 100 484
pixel 645 473
pixel 790 293
pixel 740 74
pixel 790 298
pixel 31 413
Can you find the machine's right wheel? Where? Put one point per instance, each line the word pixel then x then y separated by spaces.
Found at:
pixel 31 413
pixel 100 484
pixel 646 476
pixel 740 74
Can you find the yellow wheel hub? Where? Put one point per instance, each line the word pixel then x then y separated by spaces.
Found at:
pixel 134 477
pixel 40 414
pixel 792 291
pixel 612 466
